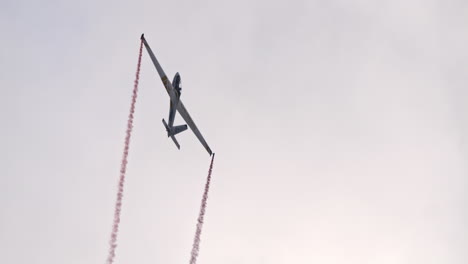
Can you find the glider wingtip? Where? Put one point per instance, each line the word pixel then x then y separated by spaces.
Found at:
pixel 142 36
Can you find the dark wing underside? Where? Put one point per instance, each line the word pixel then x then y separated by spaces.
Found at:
pixel 185 115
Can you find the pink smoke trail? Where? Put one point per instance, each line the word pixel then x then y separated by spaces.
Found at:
pixel 123 166
pixel 196 241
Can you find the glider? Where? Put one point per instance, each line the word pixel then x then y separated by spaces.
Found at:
pixel 174 91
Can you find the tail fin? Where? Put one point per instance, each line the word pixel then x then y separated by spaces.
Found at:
pixel 177 129
pixel 172 131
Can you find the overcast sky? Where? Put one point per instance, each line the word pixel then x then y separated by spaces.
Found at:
pixel 339 129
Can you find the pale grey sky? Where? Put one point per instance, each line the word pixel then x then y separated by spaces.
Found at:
pixel 339 128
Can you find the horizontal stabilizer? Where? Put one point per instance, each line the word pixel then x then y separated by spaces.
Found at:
pixel 172 131
pixel 175 141
pixel 167 128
